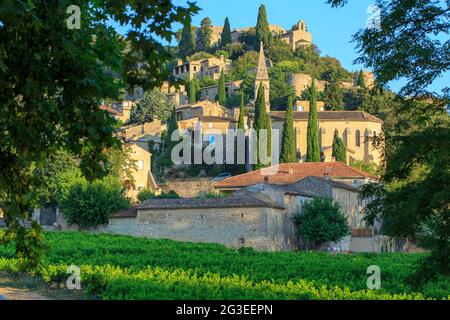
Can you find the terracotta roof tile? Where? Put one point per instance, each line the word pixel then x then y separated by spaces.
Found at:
pixel 329 116
pixel 289 173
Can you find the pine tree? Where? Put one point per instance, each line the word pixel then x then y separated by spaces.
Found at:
pixel 361 82
pixel 187 43
pixel 204 35
pixel 262 122
pixel 262 27
pixel 333 95
pixel 226 33
pixel 241 123
pixel 339 151
pixel 288 148
pixel 313 149
pixel 222 94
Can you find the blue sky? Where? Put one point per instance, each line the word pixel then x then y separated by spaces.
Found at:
pixel 332 28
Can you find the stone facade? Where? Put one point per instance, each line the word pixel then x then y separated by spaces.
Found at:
pixel 298 36
pixel 301 81
pixel 210 67
pixel 210 93
pixel 188 188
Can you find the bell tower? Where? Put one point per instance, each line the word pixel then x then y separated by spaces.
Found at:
pixel 262 76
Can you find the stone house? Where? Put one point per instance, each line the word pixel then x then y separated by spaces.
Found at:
pixel 142 175
pixel 201 108
pixel 258 216
pixel 211 67
pixel 210 92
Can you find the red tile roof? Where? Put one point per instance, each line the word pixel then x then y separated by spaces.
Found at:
pixel 109 110
pixel 289 173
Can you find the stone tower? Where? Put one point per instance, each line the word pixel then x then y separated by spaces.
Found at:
pixel 262 76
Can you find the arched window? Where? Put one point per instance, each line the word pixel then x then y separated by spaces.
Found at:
pixel 358 138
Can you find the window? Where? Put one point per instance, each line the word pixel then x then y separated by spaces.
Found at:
pixel 140 164
pixel 195 68
pixel 358 138
pixel 242 240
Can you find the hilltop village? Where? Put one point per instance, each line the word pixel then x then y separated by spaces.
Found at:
pixel 224 79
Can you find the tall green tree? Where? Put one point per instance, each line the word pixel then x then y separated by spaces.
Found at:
pixel 241 123
pixel 263 33
pixel 49 99
pixel 288 147
pixel 339 151
pixel 333 95
pixel 152 104
pixel 222 93
pixel 361 82
pixel 186 46
pixel 172 126
pixel 204 35
pixel 226 34
pixel 412 199
pixel 193 88
pixel 312 137
pixel 262 122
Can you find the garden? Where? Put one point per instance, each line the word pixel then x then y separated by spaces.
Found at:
pixel 121 267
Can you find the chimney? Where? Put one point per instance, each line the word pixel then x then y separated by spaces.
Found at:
pixel 327 174
pixel 266 179
pixel 291 170
pixel 179 62
pixel 222 58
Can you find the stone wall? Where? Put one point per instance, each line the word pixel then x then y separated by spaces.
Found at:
pixel 260 228
pixel 188 188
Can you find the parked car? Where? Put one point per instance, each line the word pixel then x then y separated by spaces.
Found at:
pixel 221 177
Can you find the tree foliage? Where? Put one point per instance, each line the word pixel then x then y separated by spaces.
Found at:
pixel 226 34
pixel 288 147
pixel 222 94
pixel 204 35
pixel 89 204
pixel 263 33
pixel 262 123
pixel 333 95
pixel 412 199
pixel 321 221
pixel 187 43
pixel 153 104
pixel 52 79
pixel 339 152
pixel 312 135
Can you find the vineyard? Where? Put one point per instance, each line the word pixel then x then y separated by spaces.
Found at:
pixel 119 267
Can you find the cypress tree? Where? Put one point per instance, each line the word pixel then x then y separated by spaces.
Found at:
pixel 288 148
pixel 339 151
pixel 222 94
pixel 193 91
pixel 313 149
pixel 241 123
pixel 172 125
pixel 262 121
pixel 262 27
pixel 187 43
pixel 333 95
pixel 361 82
pixel 226 33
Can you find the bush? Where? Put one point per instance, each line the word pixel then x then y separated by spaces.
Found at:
pixel 145 195
pixel 90 204
pixel 321 221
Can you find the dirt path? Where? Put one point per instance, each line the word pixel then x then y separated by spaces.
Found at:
pixel 28 288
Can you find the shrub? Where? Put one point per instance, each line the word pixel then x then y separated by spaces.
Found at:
pixel 145 195
pixel 90 204
pixel 321 221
